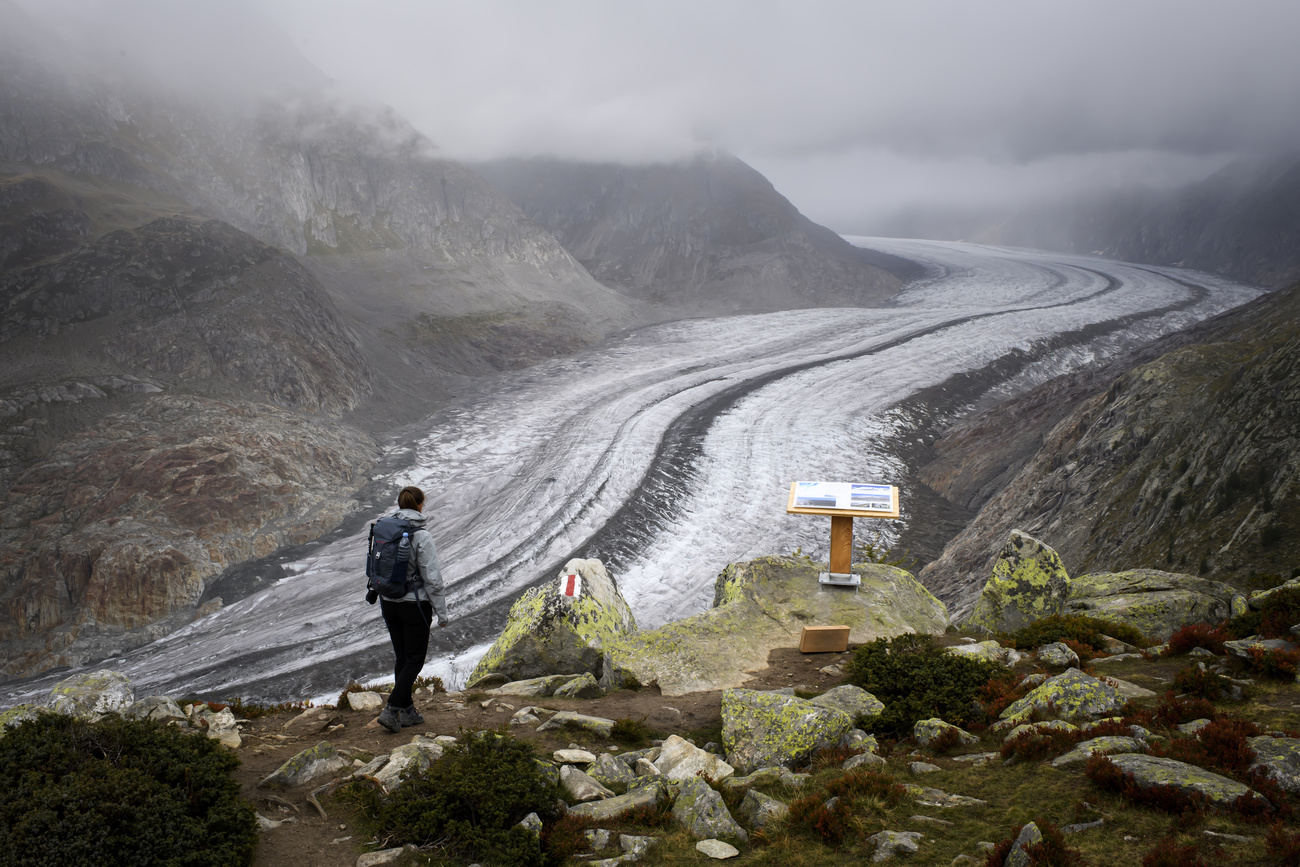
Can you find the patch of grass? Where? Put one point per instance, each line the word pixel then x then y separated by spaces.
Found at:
pixel 1086 631
pixel 432 683
pixel 859 800
pixel 632 732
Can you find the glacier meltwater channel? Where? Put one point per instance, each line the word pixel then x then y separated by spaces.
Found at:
pixel 668 453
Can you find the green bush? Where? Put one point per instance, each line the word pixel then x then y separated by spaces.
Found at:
pixel 631 732
pixel 918 679
pixel 468 803
pixel 119 792
pixel 1085 630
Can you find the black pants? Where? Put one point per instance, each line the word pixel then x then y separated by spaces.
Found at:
pixel 408 628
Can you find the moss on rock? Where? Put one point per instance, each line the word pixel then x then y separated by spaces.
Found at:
pixel 1028 582
pixel 766 729
pixel 1072 696
pixel 1153 602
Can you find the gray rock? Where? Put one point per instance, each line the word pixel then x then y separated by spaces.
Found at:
pixel 91 694
pixel 1147 771
pixel 366 702
pixel 1279 758
pixel 645 768
pixel 531 822
pixel 931 797
pixel 159 708
pixel 853 700
pixel 611 772
pixel 1085 750
pixel 599 725
pixel 679 759
pixel 1018 856
pixel 1242 648
pixel 1040 726
pixel 761 777
pixel 636 846
pixel 760 729
pixel 535 687
pixel 17 714
pixel 411 758
pixel 370 768
pixel 1200 652
pixel 1129 690
pixel 1072 696
pixel 1057 655
pixel 918 768
pixel 610 808
pixel 487 681
pixel 701 812
pixel 893 843
pixel 580 787
pixel 573 757
pixel 1028 582
pixel 220 726
pixel 857 739
pixel 976 759
pixel 1191 728
pixel 312 721
pixel 584 686
pixel 383 856
pixel 989 651
pixel 758 809
pixel 598 838
pixel 1083 826
pixel 311 764
pixel 716 849
pixel 927 731
pixel 1153 602
pixel 863 760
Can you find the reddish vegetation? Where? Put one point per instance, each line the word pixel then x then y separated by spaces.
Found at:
pixel 1275 663
pixel 1284 845
pixel 1167 853
pixel 1196 635
pixel 1167 799
pixel 1220 746
pixel 1052 852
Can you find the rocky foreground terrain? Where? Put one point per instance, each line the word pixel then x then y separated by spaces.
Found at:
pixel 797 766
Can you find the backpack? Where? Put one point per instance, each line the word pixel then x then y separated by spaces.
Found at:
pixel 390 572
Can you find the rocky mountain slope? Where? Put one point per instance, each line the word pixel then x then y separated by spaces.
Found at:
pixel 710 234
pixel 1181 456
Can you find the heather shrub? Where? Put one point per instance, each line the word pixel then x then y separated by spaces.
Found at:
pixel 917 679
pixel 1107 775
pixel 631 732
pixel 1167 853
pixel 861 797
pixel 1275 617
pixel 1085 631
pixel 469 803
pixel 1283 845
pixel 120 792
pixel 1274 663
pixel 1194 635
pixel 1198 682
pixel 1052 852
pixel 1220 746
pixel 1030 745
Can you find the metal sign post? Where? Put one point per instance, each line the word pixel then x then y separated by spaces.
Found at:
pixel 842 501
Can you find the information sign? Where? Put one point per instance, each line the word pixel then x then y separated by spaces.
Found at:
pixel 849 499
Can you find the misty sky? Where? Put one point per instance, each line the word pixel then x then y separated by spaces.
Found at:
pixel 852 109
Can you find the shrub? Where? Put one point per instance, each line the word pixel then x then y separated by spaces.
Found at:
pixel 1087 631
pixel 631 732
pixel 1196 635
pixel 1275 617
pixel 121 792
pixel 1030 745
pixel 469 802
pixel 1106 774
pixel 1274 663
pixel 432 683
pixel 917 679
pixel 1167 853
pixel 859 795
pixel 1052 852
pixel 1201 683
pixel 1283 845
pixel 1220 746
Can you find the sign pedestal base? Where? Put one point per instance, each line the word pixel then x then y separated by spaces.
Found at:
pixel 839 579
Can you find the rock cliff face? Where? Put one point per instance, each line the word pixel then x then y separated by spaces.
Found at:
pixel 108 541
pixel 711 234
pixel 1185 462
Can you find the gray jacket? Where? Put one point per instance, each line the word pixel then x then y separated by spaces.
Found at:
pixel 426 558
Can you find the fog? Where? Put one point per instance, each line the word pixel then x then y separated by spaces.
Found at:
pixel 852 109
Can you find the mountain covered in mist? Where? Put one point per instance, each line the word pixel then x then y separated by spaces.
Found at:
pixel 1242 222
pixel 710 235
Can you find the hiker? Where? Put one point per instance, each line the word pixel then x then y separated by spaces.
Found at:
pixel 410 618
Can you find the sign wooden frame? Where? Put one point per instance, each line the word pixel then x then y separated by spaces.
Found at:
pixel 792 509
pixel 841 565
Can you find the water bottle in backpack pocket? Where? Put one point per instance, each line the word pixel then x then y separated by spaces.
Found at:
pixel 389 571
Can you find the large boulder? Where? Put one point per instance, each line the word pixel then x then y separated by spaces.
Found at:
pixel 701 811
pixel 91 694
pixel 1072 696
pixel 764 604
pixel 679 759
pixel 549 632
pixel 1028 582
pixel 769 729
pixel 1278 758
pixel 1153 602
pixel 1219 792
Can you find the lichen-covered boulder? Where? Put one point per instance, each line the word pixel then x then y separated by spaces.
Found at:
pixel 1072 696
pixel 1029 835
pixel 891 844
pixel 319 761
pixel 679 759
pixel 765 729
pixel 408 757
pixel 612 773
pixel 1259 597
pixel 763 604
pixel 580 787
pixel 1105 744
pixel 701 812
pixel 1220 792
pixel 990 651
pixel 1057 655
pixel 548 632
pixel 927 731
pixel 160 708
pixel 855 701
pixel 648 795
pixel 582 686
pixel 1244 648
pixel 91 694
pixel 17 714
pixel 1153 602
pixel 1279 758
pixel 534 687
pixel 1028 583
pixel 758 809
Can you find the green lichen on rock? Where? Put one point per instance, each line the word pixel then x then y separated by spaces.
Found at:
pixel 1072 696
pixel 1278 758
pixel 766 729
pixel 1028 583
pixel 14 715
pixel 1153 602
pixel 764 604
pixel 311 763
pixel 91 693
pixel 549 633
pixel 1220 792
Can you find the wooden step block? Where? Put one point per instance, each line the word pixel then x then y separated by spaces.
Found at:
pixel 824 639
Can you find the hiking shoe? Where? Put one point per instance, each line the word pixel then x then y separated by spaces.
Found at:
pixel 409 716
pixel 389 720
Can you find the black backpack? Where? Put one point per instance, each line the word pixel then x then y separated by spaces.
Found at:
pixel 390 571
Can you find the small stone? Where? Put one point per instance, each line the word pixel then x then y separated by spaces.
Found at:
pixel 891 843
pixel 383 856
pixel 758 809
pixel 580 787
pixel 598 838
pixel 867 760
pixel 312 721
pixel 1232 838
pixel 635 846
pixel 1083 826
pixel 1058 655
pixel 717 849
pixel 531 822
pixel 599 725
pixel 573 757
pixel 976 759
pixel 679 759
pixel 930 820
pixel 918 768
pixel 366 702
pixel 927 731
pixel 1200 651
pixel 701 812
pixel 310 764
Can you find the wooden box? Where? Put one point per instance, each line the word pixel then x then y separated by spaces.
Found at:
pixel 824 639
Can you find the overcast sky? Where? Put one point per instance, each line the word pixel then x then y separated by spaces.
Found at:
pixel 852 109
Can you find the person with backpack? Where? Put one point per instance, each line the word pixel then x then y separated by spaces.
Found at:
pixel 402 567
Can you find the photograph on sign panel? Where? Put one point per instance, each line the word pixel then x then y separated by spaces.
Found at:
pixel 816 495
pixel 875 498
